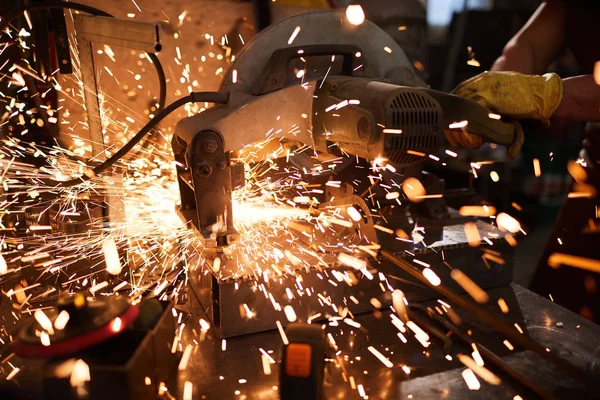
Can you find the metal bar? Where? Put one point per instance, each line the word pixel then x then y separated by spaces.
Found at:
pixel 487 354
pixel 111 31
pixel 496 322
pixel 90 92
pixel 136 35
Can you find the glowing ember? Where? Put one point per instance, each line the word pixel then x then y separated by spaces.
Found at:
pixel 355 14
pixel 471 379
pixel 61 321
pixel 116 325
pixel 3 266
pixel 80 374
pixel 111 256
pixel 458 125
pixel 381 357
pixel 413 189
pixel 508 223
pixel 432 277
pixel 588 264
pixel 476 292
pixel 290 314
pixel 477 211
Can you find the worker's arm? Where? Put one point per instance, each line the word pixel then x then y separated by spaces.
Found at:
pixel 538 43
pixel 580 101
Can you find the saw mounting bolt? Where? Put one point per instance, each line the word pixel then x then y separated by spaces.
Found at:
pixel 203 169
pixel 210 146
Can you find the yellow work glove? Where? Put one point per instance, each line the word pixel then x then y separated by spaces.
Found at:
pixel 511 95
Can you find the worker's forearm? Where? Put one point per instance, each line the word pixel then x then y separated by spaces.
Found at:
pixel 581 100
pixel 515 58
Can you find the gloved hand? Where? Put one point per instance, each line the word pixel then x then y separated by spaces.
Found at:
pixel 512 95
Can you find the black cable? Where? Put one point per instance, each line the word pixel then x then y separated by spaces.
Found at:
pixel 94 11
pixel 210 97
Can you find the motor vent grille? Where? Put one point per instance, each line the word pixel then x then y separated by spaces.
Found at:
pixel 418 116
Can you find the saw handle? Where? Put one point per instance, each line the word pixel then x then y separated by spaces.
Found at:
pixel 274 76
pixel 456 109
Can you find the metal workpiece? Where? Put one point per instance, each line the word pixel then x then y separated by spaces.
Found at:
pixel 239 299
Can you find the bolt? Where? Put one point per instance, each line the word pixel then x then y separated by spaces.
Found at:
pixel 333 86
pixel 364 129
pixel 210 146
pixel 274 81
pixel 222 165
pixel 203 169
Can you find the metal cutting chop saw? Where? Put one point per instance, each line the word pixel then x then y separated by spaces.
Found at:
pixel 351 94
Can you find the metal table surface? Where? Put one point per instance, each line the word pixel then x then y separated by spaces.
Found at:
pixel 235 370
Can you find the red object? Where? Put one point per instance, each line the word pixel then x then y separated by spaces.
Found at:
pixel 78 343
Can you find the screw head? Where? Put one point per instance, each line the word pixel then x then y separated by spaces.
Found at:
pixel 333 86
pixel 203 169
pixel 364 129
pixel 210 146
pixel 222 165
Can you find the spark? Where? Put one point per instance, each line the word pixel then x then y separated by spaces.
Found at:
pixel 290 314
pixel 3 265
pixel 44 338
pixel 536 167
pixel 355 14
pixel 294 34
pixel 188 389
pixel 111 255
pixel 284 338
pixel 507 223
pixel 557 259
pixel 483 372
pixel 432 277
pixel 471 379
pixel 44 321
pixel 477 211
pixel 478 294
pixel 380 357
pixel 61 321
pixel 458 125
pixel 472 234
pixel 116 325
pixel 136 6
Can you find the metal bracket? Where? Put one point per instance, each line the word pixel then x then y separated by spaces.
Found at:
pixel 143 36
pixel 134 35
